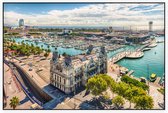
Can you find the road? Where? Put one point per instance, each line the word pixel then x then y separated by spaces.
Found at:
pixel 12 88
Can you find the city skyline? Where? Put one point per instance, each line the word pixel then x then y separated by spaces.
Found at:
pixel 85 15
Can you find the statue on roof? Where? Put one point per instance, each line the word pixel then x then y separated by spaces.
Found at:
pixel 89 49
pixel 67 60
pixel 55 56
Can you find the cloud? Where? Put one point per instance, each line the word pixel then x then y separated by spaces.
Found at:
pixel 94 15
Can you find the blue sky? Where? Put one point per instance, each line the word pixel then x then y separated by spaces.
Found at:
pixel 39 8
pixel 84 14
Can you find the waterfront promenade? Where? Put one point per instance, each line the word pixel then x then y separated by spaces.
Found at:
pixel 114 72
pixel 138 53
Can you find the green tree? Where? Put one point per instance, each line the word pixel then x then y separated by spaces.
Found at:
pixel 49 50
pixel 121 87
pixel 27 54
pixel 46 54
pixel 48 47
pixel 129 96
pixel 133 92
pixel 134 82
pixel 96 85
pixel 32 45
pixel 110 82
pixel 118 101
pixel 41 46
pixel 161 90
pixel 144 102
pixel 64 54
pixel 36 43
pixel 13 41
pixel 14 102
pixel 107 78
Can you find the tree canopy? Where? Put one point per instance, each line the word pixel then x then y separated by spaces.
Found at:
pixel 100 83
pixel 144 102
pixel 118 101
pixel 134 82
pixel 96 85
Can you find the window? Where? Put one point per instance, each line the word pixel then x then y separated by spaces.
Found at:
pixel 64 81
pixel 58 78
pixel 55 77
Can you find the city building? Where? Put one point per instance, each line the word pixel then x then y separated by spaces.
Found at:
pixel 150 26
pixel 67 31
pixel 21 22
pixel 68 73
pixel 137 38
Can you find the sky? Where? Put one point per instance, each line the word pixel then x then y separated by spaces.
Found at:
pixel 119 15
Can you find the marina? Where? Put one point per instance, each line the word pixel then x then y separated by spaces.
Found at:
pixel 117 52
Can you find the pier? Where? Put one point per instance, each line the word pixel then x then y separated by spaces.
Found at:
pixel 157 80
pixel 130 72
pixel 129 54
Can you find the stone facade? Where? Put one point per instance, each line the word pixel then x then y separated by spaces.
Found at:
pixel 69 73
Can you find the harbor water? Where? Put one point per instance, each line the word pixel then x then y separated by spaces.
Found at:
pixel 154 58
pixel 60 50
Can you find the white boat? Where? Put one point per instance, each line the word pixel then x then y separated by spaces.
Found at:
pixel 24 37
pixel 146 49
pixel 161 41
pixel 153 45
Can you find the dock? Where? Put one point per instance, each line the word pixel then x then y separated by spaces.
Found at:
pixel 157 80
pixel 130 72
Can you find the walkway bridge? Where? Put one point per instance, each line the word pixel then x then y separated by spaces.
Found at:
pixel 142 47
pixel 123 54
pixel 120 56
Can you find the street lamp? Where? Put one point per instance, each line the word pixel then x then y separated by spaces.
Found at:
pixel 148 76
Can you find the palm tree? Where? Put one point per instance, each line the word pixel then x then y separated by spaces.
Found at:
pixel 41 46
pixel 14 102
pixel 48 47
pixel 46 54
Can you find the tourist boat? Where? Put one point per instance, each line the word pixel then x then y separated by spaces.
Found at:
pixel 153 77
